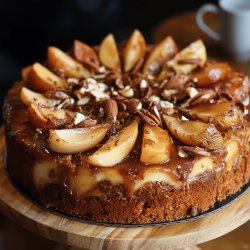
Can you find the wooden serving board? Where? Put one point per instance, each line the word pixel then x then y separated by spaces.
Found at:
pixel 88 236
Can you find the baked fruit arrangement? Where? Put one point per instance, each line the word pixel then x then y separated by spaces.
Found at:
pixel 129 133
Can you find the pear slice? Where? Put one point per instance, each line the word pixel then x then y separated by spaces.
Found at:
pixel 160 53
pixel 28 97
pixel 71 141
pixel 108 53
pixel 156 145
pixel 48 118
pixel 189 58
pixel 42 170
pixel 194 133
pixel 116 148
pixel 233 151
pixel 202 165
pixel 25 72
pixel 223 115
pixel 41 79
pixel 155 174
pixel 212 73
pixel 86 180
pixel 84 54
pixel 59 61
pixel 134 51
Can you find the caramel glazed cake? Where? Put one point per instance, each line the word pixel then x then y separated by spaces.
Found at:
pixel 129 133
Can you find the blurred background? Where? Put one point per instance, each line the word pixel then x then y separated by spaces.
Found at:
pixel 27 27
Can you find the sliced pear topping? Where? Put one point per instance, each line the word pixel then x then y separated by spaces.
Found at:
pixel 223 115
pixel 155 174
pixel 108 53
pixel 42 173
pixel 41 79
pixel 48 118
pixel 201 166
pixel 160 53
pixel 85 180
pixel 233 151
pixel 212 73
pixel 116 148
pixel 190 58
pixel 194 133
pixel 70 141
pixel 134 50
pixel 156 145
pixel 84 54
pixel 25 72
pixel 60 62
pixel 28 97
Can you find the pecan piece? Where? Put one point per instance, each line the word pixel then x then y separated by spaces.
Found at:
pixel 202 97
pixel 177 82
pixel 195 151
pixel 195 61
pixel 86 123
pixel 149 118
pixel 134 105
pixel 67 104
pixel 56 94
pixel 121 106
pixel 127 81
pixel 146 92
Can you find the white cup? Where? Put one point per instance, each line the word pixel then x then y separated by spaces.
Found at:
pixel 234 32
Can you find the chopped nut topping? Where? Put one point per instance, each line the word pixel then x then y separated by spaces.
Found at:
pixel 134 105
pixel 73 80
pixel 121 106
pixel 143 84
pixel 56 94
pixel 192 92
pixel 149 118
pixel 196 61
pixel 177 82
pixel 83 100
pixel 91 81
pixel 246 101
pixel 110 109
pixel 166 104
pixel 154 98
pixel 182 153
pixel 127 92
pixel 168 92
pixel 86 123
pixel 183 118
pixel 68 103
pixel 102 69
pixel 203 97
pixel 195 151
pixel 164 82
pixel 79 117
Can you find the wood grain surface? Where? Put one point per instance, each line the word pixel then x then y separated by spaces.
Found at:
pixel 83 235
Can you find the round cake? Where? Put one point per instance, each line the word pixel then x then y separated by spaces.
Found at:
pixel 129 133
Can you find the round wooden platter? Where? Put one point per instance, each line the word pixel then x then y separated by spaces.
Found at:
pixel 89 236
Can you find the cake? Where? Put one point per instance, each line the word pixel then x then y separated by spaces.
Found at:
pixel 129 133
